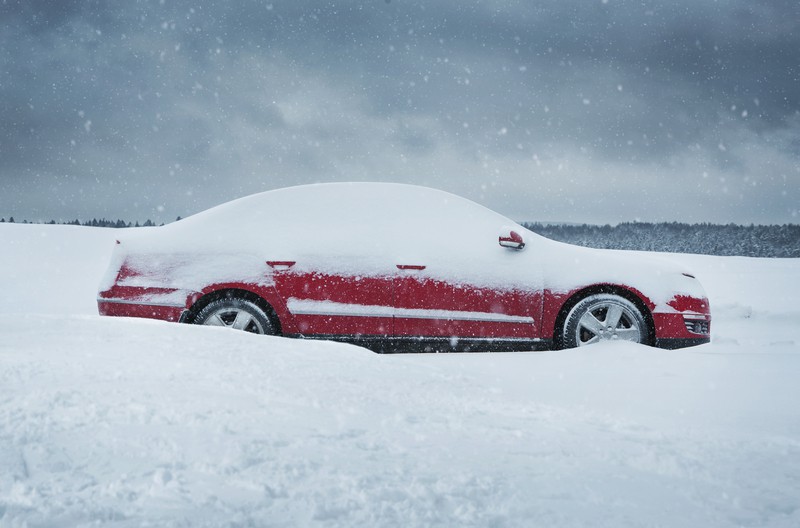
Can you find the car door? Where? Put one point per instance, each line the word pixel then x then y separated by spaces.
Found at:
pixel 470 287
pixel 328 303
pixel 431 307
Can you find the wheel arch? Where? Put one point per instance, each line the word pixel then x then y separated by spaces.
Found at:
pixel 230 292
pixel 574 298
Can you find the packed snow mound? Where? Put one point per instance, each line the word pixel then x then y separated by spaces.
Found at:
pixel 126 422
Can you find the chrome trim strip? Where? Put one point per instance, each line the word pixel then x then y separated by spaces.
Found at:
pixel 407 313
pixel 340 314
pixel 295 306
pixel 140 303
pixel 327 308
pixel 487 339
pixel 421 338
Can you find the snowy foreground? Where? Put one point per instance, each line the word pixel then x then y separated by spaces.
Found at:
pixel 119 422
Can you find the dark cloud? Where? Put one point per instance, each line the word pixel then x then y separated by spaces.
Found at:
pixel 579 111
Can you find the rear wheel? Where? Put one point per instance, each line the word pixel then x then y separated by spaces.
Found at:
pixel 235 313
pixel 603 317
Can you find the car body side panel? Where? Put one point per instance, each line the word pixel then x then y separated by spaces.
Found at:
pixel 405 305
pixel 324 303
pixel 435 308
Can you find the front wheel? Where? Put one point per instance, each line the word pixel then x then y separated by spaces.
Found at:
pixel 235 313
pixel 603 317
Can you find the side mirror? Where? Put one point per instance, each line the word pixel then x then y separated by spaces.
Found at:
pixel 513 240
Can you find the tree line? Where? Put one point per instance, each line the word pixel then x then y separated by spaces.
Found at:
pixel 674 237
pixel 94 222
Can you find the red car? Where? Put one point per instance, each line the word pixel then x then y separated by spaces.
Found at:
pixel 396 268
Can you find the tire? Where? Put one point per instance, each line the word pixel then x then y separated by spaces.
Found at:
pixel 603 317
pixel 235 313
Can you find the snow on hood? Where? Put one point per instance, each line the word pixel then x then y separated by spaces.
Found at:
pixel 568 267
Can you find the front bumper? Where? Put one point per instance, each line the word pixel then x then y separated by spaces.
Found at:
pixel 681 329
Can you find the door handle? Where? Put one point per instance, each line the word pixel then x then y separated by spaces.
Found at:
pixel 281 264
pixel 410 267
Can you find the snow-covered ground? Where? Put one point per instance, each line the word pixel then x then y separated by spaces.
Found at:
pixel 118 422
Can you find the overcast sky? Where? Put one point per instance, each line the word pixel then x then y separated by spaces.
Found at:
pixel 597 111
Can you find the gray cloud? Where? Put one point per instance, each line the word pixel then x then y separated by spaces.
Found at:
pixel 574 111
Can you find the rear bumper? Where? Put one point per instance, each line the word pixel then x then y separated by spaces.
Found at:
pixel 166 304
pixel 126 308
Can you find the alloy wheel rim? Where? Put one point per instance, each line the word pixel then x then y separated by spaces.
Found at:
pixel 234 319
pixel 608 321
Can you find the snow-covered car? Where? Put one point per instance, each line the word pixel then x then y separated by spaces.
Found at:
pixel 396 268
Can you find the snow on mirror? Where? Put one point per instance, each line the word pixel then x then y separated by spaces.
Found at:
pixel 511 239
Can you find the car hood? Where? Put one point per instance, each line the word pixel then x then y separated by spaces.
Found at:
pixel 568 268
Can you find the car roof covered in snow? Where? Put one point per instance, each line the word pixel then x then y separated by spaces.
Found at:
pixel 336 218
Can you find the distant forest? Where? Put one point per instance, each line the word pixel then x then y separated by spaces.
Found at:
pixel 672 237
pixel 94 222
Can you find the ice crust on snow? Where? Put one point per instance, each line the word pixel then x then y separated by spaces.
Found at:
pixel 360 229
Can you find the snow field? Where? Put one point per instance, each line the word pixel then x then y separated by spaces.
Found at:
pixel 117 422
